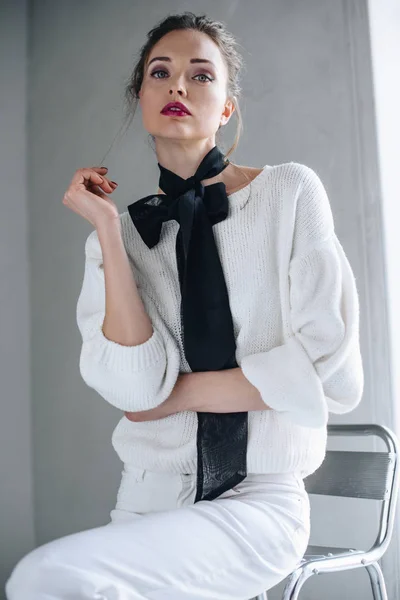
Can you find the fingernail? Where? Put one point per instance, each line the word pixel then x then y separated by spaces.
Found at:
pixel 114 182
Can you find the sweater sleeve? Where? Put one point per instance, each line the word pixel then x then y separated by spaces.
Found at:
pixel 319 368
pixel 131 378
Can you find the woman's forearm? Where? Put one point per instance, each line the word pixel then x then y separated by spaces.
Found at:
pixel 216 391
pixel 207 391
pixel 126 321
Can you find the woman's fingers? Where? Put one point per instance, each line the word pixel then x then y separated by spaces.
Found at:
pixel 102 173
pixel 93 176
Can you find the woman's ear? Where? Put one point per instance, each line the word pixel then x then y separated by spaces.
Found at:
pixel 228 111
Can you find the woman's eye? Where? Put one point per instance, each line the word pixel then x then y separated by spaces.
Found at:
pixel 158 71
pixel 162 71
pixel 204 75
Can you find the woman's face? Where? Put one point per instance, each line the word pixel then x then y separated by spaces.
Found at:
pixel 201 87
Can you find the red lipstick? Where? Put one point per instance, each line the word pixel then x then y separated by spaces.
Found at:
pixel 176 109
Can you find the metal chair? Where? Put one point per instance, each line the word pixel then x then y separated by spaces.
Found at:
pixel 372 475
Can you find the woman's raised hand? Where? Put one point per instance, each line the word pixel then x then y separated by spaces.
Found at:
pixel 85 196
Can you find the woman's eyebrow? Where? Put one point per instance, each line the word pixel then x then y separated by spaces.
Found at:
pixel 192 60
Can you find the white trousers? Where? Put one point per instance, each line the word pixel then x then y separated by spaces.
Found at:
pixel 162 546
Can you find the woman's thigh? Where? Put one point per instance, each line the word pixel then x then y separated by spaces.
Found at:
pixel 244 542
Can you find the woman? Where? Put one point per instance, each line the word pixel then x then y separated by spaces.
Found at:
pixel 295 318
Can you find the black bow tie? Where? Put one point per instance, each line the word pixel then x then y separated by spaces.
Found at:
pixel 206 319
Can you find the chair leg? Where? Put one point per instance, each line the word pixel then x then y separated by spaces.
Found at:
pixel 377 581
pixel 294 584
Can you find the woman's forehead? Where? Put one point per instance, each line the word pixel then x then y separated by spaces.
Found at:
pixel 187 44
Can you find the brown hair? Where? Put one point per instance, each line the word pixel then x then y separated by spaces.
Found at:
pixel 217 31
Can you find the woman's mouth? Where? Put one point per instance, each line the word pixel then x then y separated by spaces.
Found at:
pixel 173 112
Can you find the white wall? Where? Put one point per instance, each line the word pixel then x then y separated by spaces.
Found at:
pixel 307 97
pixel 385 50
pixel 385 43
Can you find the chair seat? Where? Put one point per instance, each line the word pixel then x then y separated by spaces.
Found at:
pixel 328 552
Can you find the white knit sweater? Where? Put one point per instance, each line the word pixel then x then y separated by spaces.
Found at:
pixel 295 311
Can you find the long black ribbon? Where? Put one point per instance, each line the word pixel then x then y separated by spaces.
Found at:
pixel 206 319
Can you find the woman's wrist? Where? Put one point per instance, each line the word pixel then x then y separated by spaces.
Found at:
pixel 109 227
pixel 180 397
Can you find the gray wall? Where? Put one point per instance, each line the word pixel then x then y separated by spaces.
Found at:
pixel 307 97
pixel 16 494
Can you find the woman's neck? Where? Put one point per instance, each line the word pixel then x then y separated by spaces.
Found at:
pixel 232 176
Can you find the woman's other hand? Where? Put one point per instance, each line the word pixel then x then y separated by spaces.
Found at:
pixel 160 412
pixel 85 196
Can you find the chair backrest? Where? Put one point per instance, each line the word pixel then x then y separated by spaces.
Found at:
pixel 372 475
